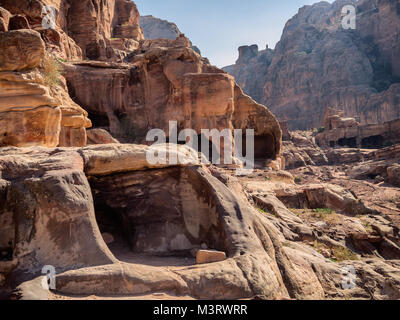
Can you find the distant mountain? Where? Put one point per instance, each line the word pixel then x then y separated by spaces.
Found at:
pixel 317 64
pixel 155 28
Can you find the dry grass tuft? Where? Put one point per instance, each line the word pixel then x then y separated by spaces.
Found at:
pixel 51 69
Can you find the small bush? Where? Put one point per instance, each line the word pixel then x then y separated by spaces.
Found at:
pixel 326 214
pixel 301 53
pixel 343 254
pixel 263 211
pixel 51 70
pixel 321 129
pixel 324 210
pixel 298 179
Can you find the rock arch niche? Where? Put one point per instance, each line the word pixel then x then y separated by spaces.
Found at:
pixel 158 216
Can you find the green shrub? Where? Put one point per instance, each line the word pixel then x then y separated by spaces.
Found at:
pixel 321 129
pixel 51 69
pixel 324 210
pixel 343 254
pixel 298 179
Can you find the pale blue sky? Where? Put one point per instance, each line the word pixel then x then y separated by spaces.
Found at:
pixel 219 27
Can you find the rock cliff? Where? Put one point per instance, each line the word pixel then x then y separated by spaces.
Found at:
pixel 113 224
pixel 35 108
pixel 155 28
pixel 146 83
pixel 317 64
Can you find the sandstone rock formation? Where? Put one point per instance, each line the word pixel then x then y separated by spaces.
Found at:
pixel 165 80
pixel 99 136
pixel 160 80
pixel 317 64
pixel 115 224
pixel 13 58
pixel 35 108
pixel 348 132
pixel 93 24
pixel 84 29
pixel 301 150
pixel 29 115
pixel 250 70
pixel 155 28
pixel 266 257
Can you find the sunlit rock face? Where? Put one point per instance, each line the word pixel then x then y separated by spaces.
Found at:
pixel 29 115
pixel 317 64
pixel 165 80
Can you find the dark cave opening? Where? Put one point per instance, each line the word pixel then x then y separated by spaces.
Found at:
pixel 157 213
pixel 264 147
pixel 99 120
pixel 6 253
pixel 348 142
pixel 372 142
pixel 93 51
pixel 7 233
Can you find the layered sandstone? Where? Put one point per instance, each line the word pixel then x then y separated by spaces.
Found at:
pixel 47 220
pixel 35 108
pixel 29 115
pixel 165 80
pixel 84 29
pixel 347 132
pixel 317 64
pixel 155 28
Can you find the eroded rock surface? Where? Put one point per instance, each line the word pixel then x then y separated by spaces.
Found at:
pixel 317 64
pixel 159 216
pixel 168 81
pixel 35 108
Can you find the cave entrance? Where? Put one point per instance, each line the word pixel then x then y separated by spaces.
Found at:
pixel 156 217
pixel 99 120
pixel 264 147
pixel 372 142
pixel 7 235
pixel 348 142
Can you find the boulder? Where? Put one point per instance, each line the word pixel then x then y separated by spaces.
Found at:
pixel 393 175
pixel 29 115
pixel 99 136
pixel 20 49
pixel 4 19
pixel 209 256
